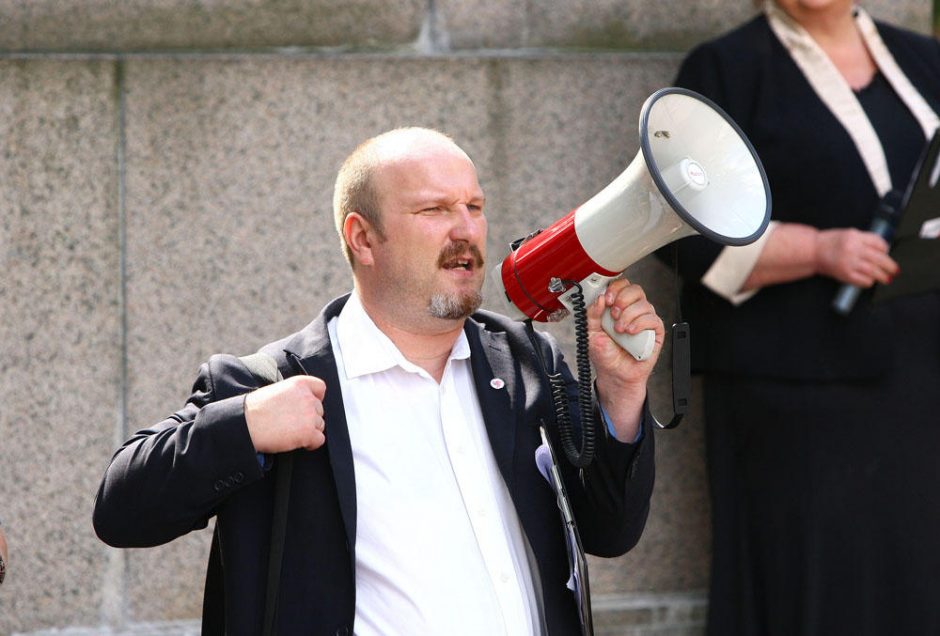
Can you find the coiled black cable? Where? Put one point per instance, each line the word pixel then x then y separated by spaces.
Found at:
pixel 580 455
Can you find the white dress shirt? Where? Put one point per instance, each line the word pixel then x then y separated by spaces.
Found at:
pixel 439 546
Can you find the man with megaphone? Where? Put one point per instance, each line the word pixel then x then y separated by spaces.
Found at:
pixel 416 504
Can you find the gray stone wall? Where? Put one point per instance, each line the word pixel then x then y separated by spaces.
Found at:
pixel 165 184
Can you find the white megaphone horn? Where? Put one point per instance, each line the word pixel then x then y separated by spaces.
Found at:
pixel 696 173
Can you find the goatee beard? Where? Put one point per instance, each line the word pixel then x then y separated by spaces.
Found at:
pixel 454 306
pixel 458 305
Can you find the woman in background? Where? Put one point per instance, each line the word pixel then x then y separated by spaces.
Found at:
pixel 821 429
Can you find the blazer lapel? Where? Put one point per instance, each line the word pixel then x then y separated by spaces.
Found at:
pixel 496 382
pixel 312 346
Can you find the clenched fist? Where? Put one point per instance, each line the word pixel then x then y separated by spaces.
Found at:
pixel 287 415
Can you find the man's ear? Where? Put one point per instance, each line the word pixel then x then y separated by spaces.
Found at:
pixel 359 235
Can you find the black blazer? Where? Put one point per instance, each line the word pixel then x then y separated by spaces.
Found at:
pixel 816 176
pixel 172 478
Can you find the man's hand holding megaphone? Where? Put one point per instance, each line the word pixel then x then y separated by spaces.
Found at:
pixel 621 378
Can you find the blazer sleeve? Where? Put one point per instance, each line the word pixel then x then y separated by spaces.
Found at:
pixel 169 479
pixel 611 502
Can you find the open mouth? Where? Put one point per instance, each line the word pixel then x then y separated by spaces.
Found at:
pixel 460 258
pixel 466 264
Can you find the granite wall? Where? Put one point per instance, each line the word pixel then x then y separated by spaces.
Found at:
pixel 165 185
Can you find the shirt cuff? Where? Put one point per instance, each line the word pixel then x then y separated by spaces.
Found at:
pixel 734 264
pixel 613 431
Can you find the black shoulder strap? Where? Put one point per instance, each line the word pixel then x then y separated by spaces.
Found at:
pixel 213 601
pixel 265 369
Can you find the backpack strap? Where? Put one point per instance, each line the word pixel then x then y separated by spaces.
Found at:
pixel 264 368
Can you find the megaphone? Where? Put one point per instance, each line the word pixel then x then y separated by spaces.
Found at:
pixel 696 173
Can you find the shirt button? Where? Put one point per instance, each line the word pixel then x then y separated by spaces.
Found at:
pixel 504 577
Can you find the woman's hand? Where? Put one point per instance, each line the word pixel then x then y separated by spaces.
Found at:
pixel 854 257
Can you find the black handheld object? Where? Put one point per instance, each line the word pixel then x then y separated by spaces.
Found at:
pixel 885 220
pixel 916 248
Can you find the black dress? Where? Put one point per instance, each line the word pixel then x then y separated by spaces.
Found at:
pixel 821 430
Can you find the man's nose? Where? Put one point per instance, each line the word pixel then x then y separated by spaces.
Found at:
pixel 469 225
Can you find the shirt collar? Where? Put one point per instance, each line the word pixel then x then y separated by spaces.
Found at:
pixel 366 349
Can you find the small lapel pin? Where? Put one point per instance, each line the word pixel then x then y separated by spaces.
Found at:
pixel 497 383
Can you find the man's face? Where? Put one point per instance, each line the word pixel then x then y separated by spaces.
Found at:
pixel 431 261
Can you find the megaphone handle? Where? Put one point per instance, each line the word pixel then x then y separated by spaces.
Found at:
pixel 639 345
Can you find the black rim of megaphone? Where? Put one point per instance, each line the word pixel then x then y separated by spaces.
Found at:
pixel 654 169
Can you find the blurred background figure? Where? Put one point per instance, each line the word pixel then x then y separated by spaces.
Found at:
pixel 820 428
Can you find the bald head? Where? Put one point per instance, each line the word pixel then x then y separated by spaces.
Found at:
pixel 358 190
